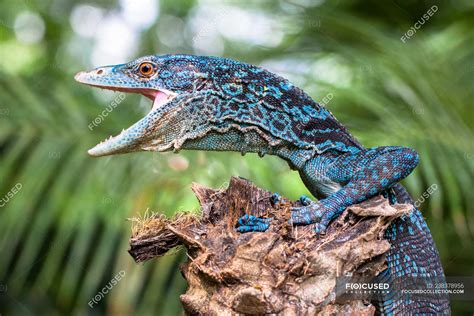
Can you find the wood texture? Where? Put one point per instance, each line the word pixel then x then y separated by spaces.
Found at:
pixel 285 271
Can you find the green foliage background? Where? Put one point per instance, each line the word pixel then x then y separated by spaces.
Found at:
pixel 64 236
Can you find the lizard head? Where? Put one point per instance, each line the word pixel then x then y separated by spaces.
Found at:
pixel 212 103
pixel 172 82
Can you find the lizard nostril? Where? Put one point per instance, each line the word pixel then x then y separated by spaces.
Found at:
pixel 100 71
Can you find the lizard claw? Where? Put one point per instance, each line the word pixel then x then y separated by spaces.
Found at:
pixel 305 201
pixel 306 215
pixel 320 228
pixel 275 198
pixel 315 213
pixel 250 223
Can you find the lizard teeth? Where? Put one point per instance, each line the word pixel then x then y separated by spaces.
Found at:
pixel 112 144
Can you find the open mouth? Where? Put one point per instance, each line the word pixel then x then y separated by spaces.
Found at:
pixel 159 97
pixel 129 137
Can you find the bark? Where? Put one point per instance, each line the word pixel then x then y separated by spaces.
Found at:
pixel 284 271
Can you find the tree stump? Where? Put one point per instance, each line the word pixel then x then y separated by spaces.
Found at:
pixel 286 270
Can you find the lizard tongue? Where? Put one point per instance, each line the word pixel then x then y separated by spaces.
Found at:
pixel 131 138
pixel 160 99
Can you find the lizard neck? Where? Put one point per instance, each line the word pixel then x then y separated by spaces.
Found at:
pixel 251 141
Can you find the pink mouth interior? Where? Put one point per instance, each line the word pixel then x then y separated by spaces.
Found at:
pixel 157 96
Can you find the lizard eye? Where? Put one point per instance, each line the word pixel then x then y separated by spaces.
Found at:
pixel 146 69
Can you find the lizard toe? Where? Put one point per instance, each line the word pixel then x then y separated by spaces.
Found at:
pixel 275 198
pixel 320 228
pixel 305 201
pixel 305 215
pixel 251 223
pixel 257 227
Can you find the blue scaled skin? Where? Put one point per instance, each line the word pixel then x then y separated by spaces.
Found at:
pixel 218 104
pixel 249 223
